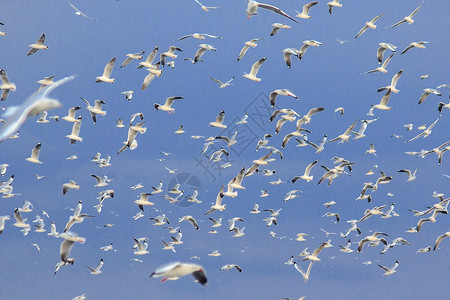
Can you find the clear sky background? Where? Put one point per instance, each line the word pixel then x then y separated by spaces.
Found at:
pixel 328 76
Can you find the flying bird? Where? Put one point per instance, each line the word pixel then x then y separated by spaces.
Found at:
pixel 38 45
pixel 370 24
pixel 106 76
pixel 34 105
pixel 178 269
pixel 80 13
pixel 252 8
pixel 408 19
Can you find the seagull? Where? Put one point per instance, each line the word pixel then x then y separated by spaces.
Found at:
pixel 390 271
pixel 256 163
pixel 178 269
pixel 411 175
pixel 199 36
pixel 371 150
pixel 70 185
pixel 38 45
pixel 305 10
pixel 148 63
pixel 131 56
pixel 107 72
pixel 346 135
pixel 160 220
pixel 65 248
pixel 71 114
pixel 191 220
pixel 306 45
pixel 382 68
pixel 232 222
pixel 34 158
pixel 206 8
pixel 305 275
pixel 424 133
pixel 383 102
pixel 179 130
pixel 96 109
pixel 141 245
pixel 282 92
pixel 152 74
pixel 372 238
pixel 427 92
pixel 247 45
pixel 408 19
pixel 46 81
pixel 77 217
pixel 334 3
pixel 6 85
pixel 171 171
pixel 3 168
pixel 167 105
pixel 2 33
pixel 221 84
pixel 96 270
pixel 306 175
pixel 203 48
pixel 34 105
pixel 394 81
pixel 143 200
pixel 79 13
pixel 252 8
pixel 440 239
pixel 101 181
pixel 291 195
pixel 319 148
pixel 341 42
pixel 128 95
pixel 370 24
pixel 231 266
pixel 278 26
pixel 74 136
pixel 3 219
pixel 243 120
pixel 419 45
pixel 170 53
pixel 383 48
pixel 131 137
pixel 218 204
pixel 330 214
pixel 254 70
pixel 424 250
pixel 219 121
pixel 238 232
pixel 20 222
pixel 287 55
pixel 316 252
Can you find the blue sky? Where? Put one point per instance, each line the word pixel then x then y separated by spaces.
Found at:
pixel 328 76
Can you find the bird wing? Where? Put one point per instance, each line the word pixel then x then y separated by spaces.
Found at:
pixel 215 80
pixel 385 98
pixel 170 100
pixel 306 7
pixel 397 24
pixel 362 31
pixel 199 54
pixel 243 51
pixel 147 80
pixel 126 62
pixel 276 10
pixel 415 11
pixel 41 40
pixel 35 151
pixel 256 66
pixel 385 63
pixel 108 68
